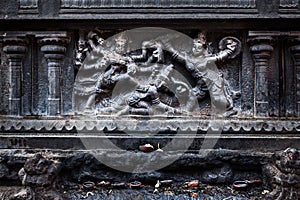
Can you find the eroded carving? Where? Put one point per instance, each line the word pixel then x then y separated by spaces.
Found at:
pixel 150 71
pixel 284 175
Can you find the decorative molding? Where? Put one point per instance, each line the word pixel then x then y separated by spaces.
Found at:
pixel 157 3
pixel 101 123
pixel 289 3
pixel 28 4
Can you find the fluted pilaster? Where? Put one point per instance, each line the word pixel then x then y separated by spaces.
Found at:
pixel 54 52
pixel 261 49
pixel 15 49
pixel 295 51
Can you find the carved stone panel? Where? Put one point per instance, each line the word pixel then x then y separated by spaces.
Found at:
pixel 256 83
pixel 120 78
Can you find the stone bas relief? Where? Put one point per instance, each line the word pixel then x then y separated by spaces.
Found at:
pixel 155 78
pixel 141 74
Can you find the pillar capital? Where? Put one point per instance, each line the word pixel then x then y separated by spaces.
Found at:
pixel 14 46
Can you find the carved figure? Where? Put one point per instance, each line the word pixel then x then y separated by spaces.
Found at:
pixel 198 64
pixel 113 64
pixel 146 97
pixel 121 67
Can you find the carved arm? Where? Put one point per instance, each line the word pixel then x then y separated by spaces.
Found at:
pixel 222 55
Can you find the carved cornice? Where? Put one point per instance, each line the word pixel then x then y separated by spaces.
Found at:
pixel 156 124
pixel 158 4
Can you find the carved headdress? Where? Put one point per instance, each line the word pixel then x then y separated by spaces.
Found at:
pixel 202 38
pixel 121 37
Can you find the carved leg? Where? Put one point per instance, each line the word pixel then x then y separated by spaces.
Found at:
pixel 90 102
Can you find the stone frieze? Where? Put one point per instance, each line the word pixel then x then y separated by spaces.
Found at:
pixel 64 65
pixel 158 3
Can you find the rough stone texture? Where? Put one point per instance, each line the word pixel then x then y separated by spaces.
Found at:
pixel 79 167
pixel 40 171
pixel 284 175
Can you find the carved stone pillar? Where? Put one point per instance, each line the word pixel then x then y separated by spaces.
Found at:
pixel 15 49
pixel 261 49
pixel 54 52
pixel 295 51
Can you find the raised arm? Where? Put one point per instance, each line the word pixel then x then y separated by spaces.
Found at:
pixel 230 47
pixel 175 54
pixel 222 55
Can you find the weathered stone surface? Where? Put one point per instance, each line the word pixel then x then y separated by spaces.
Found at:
pixel 79 167
pixel 284 175
pixel 4 171
pixel 40 171
pixel 23 194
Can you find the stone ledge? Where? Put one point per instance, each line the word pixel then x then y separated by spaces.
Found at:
pixel 254 142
